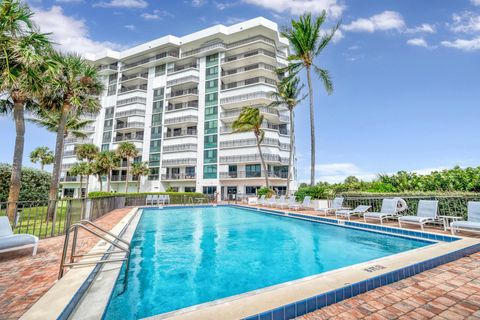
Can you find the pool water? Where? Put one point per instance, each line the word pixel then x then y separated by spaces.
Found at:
pixel 181 257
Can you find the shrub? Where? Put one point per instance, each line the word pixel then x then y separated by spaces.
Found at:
pixel 175 197
pixel 264 191
pixel 35 183
pixel 319 191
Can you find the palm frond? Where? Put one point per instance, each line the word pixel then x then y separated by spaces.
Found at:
pixel 324 76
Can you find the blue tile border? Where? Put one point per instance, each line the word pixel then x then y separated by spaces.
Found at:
pixel 331 297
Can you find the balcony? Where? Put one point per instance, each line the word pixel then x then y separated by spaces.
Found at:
pixel 160 58
pixel 179 176
pixel 257 70
pixel 130 125
pixel 217 46
pixel 248 143
pixel 270 114
pixel 128 138
pixel 247 82
pixel 246 158
pixel 117 178
pixel 133 112
pixel 185 67
pixel 136 77
pixel 180 93
pixel 180 133
pixel 179 162
pixel 251 40
pixel 70 153
pixel 69 179
pixel 254 98
pixel 107 69
pixel 181 120
pixel 141 88
pixel 133 100
pixel 180 106
pixel 183 80
pixel 252 175
pixel 180 148
pixel 88 129
pixel 77 141
pixel 254 56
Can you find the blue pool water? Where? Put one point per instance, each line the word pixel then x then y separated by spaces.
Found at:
pixel 183 257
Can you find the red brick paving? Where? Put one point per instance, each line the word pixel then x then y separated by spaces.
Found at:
pixel 24 279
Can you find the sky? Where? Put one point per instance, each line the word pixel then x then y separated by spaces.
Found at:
pixel 406 74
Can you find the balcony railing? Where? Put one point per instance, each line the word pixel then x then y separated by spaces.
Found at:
pixel 181 133
pixel 247 96
pixel 179 176
pixel 182 80
pixel 180 147
pixel 251 174
pixel 133 112
pixel 69 153
pixel 243 83
pixel 129 125
pixel 179 162
pixel 174 54
pixel 248 55
pixel 236 112
pixel 179 106
pixel 77 141
pixel 255 66
pixel 253 158
pixel 122 177
pixel 88 128
pixel 142 87
pixel 70 179
pixel 143 76
pixel 249 40
pixel 133 100
pixel 181 120
pixel 282 131
pixel 183 67
pixel 248 143
pixel 179 93
pixel 111 67
pixel 204 48
pixel 128 138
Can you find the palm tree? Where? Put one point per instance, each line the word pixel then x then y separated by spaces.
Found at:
pixel 51 119
pixel 87 151
pixel 307 42
pixel 104 163
pixel 127 150
pixel 81 169
pixel 289 90
pixel 22 63
pixel 43 155
pixel 251 120
pixel 73 87
pixel 140 169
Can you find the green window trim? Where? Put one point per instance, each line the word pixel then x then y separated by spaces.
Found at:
pixel 209 172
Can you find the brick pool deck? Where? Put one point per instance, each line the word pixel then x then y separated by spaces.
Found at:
pixel 450 291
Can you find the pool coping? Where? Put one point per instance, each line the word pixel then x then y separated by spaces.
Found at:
pixel 289 299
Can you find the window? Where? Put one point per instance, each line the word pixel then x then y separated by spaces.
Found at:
pixel 210 156
pixel 157 106
pixel 253 170
pixel 211 99
pixel 189 189
pixel 209 172
pixel 154 160
pixel 155 146
pixel 112 90
pixel 105 147
pixel 154 174
pixel 251 189
pixel 107 136
pixel 160 70
pixel 212 59
pixel 212 73
pixel 210 141
pixel 190 172
pixel 107 124
pixel 109 112
pixel 211 127
pixel 209 190
pixel 158 93
pixel 156 133
pixel 211 113
pixel 211 85
pixel 157 119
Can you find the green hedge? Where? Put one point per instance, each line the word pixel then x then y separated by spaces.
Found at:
pixel 175 197
pixel 35 183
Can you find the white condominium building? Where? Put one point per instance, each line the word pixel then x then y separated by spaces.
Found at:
pixel 175 98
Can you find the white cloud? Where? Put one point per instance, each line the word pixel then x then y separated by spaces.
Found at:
pixel 387 20
pixel 224 5
pixel 475 2
pixel 418 42
pixel 69 34
pixel 423 28
pixel 198 3
pixel 463 44
pixel 466 22
pixel 337 172
pixel 129 26
pixel 426 171
pixel 138 4
pixel 333 8
pixel 156 15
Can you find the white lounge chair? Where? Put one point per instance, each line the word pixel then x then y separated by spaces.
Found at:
pixel 262 200
pixel 388 210
pixel 337 204
pixel 12 242
pixel 281 202
pixel 473 221
pixel 306 203
pixel 427 211
pixel 148 199
pixel 272 201
pixel 151 200
pixel 293 204
pixel 358 211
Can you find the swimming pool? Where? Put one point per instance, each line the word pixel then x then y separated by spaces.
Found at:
pixel 186 256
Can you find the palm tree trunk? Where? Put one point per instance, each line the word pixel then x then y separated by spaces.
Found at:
pixel 41 166
pixel 100 181
pixel 264 165
pixel 15 179
pixel 81 185
pixel 108 180
pixel 57 165
pixel 312 130
pixel 290 156
pixel 138 184
pixel 86 186
pixel 126 177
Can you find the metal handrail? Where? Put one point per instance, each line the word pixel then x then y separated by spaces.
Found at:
pixel 83 225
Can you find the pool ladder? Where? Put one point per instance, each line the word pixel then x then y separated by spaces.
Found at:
pixel 90 227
